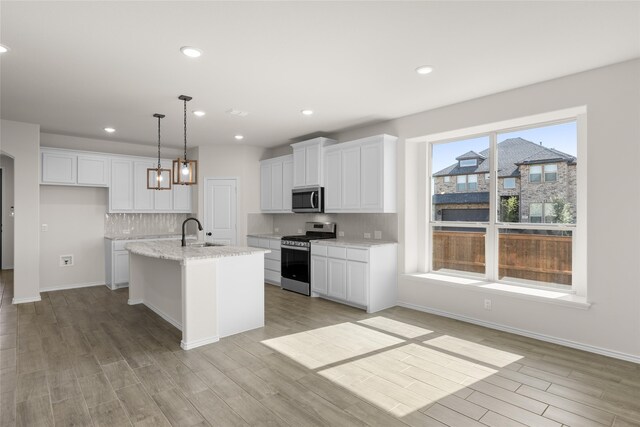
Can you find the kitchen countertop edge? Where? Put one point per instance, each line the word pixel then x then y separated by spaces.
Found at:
pixel 172 251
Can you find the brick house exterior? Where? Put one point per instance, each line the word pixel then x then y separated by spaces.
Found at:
pixel 538 177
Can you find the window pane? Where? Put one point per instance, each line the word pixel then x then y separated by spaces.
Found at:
pixel 535 212
pixel 457 249
pixel 459 200
pixel 535 256
pixel 549 213
pixel 542 161
pixel 509 183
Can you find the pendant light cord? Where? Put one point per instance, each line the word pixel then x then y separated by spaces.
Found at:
pixel 159 166
pixel 185 131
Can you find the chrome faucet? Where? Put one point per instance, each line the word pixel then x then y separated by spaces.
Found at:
pixel 184 223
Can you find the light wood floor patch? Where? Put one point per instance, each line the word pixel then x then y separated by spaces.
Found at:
pixel 85 357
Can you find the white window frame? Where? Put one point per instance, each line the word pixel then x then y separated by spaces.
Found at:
pixel 544 172
pixel 504 183
pixel 459 183
pixel 578 230
pixel 470 180
pixel 475 163
pixel 541 174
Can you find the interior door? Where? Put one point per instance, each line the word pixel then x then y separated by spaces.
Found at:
pixel 220 209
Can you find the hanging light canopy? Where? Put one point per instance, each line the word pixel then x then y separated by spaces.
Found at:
pixel 158 178
pixel 185 172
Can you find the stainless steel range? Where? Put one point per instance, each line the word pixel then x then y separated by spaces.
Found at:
pixel 296 256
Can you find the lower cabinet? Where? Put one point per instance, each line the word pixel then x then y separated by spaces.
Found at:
pixel 271 259
pixel 365 277
pixel 120 268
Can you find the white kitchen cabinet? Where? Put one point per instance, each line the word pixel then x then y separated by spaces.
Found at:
pixel 308 157
pixel 120 268
pixel 181 198
pixel 59 167
pixel 142 196
pixel 93 170
pixel 337 278
pixel 271 259
pixel 163 199
pixel 121 189
pixel 319 283
pixel 276 177
pixel 360 176
pixel 362 276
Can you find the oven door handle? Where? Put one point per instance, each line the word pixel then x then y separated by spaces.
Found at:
pixel 311 196
pixel 295 248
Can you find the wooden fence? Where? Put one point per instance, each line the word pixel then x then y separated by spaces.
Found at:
pixel 524 256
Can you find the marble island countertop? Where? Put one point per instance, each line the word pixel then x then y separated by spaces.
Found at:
pixel 366 243
pixel 172 250
pixel 147 236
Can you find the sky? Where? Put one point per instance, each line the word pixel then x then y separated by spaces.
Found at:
pixel 562 137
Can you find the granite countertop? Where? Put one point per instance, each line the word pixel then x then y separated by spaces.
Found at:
pixel 266 236
pixel 172 250
pixel 146 236
pixel 367 243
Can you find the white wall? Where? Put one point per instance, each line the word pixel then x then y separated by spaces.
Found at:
pixel 111 146
pixel 6 164
pixel 22 142
pixel 228 161
pixel 611 94
pixel 75 220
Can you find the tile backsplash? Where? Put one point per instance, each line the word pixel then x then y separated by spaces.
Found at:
pixel 139 223
pixel 354 226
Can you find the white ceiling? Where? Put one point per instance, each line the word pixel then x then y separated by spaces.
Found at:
pixel 76 67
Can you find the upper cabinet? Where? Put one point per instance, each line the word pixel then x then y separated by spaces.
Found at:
pixel 308 162
pixel 276 183
pixel 360 176
pixel 125 176
pixel 64 167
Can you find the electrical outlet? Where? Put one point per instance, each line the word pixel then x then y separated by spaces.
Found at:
pixel 299 230
pixel 276 230
pixel 340 233
pixel 487 304
pixel 44 227
pixel 367 235
pixel 377 235
pixel 66 260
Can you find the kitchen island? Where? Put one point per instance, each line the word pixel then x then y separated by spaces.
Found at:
pixel 208 292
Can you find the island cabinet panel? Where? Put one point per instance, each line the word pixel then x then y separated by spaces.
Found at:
pixel 360 176
pixel 276 183
pixel 362 276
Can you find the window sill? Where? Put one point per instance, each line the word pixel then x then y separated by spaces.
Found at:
pixel 551 296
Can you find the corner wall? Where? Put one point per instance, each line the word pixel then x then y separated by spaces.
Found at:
pixel 22 142
pixel 612 324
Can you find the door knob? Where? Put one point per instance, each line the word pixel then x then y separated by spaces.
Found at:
pixel 209 234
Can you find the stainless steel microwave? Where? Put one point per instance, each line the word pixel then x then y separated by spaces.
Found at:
pixel 309 199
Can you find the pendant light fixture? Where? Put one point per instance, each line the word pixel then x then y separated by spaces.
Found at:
pixel 185 172
pixel 158 178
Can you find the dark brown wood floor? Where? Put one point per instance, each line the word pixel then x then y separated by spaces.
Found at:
pixel 84 357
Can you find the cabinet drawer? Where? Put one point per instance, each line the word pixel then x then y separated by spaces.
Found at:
pixel 335 252
pixel 263 243
pixel 361 255
pixel 274 255
pixel 319 250
pixel 274 244
pixel 272 265
pixel 272 276
pixel 119 245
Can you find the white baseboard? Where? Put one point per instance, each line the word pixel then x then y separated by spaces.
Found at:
pixel 547 338
pixel 198 343
pixel 7 267
pixel 156 310
pixel 26 299
pixel 70 286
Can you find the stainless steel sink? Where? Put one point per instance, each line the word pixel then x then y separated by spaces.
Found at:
pixel 204 244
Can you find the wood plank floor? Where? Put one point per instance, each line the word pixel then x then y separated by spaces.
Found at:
pixel 84 357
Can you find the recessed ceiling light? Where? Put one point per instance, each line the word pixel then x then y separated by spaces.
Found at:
pixel 199 113
pixel 424 69
pixel 191 52
pixel 239 137
pixel 307 112
pixel 109 130
pixel 235 112
pixel 3 49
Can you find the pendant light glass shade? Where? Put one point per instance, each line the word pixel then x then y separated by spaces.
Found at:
pixel 185 171
pixel 158 178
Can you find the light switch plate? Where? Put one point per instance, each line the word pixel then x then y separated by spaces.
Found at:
pixel 340 233
pixel 377 235
pixel 299 230
pixel 44 227
pixel 276 230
